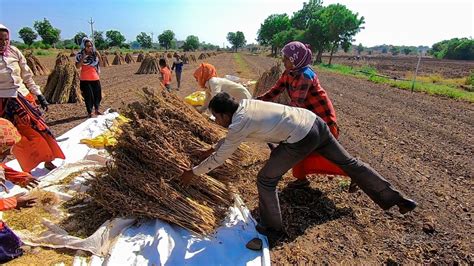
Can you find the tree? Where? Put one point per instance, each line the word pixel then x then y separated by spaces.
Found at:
pixel 48 33
pixel 282 38
pixel 237 39
pixel 302 17
pixel 27 35
pixel 166 38
pixel 114 38
pixel 394 50
pixel 406 50
pixel 342 25
pixel 272 25
pixel 191 43
pixel 317 34
pixel 144 40
pixel 78 37
pixel 460 49
pixel 99 41
pixel 360 48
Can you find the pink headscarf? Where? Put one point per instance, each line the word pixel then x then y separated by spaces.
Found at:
pixel 7 45
pixel 298 53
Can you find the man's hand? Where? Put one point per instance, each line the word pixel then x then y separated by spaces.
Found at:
pixel 29 182
pixel 44 104
pixel 187 177
pixel 25 201
pixel 203 154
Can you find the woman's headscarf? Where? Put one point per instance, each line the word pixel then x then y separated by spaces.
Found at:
pixel 298 53
pixel 91 60
pixel 7 45
pixel 204 73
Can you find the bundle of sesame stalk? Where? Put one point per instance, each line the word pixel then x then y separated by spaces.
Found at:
pixel 152 152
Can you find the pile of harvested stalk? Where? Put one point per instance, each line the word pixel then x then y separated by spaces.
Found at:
pixel 104 61
pixel 149 65
pixel 140 57
pixel 151 153
pixel 72 54
pixel 129 59
pixel 36 67
pixel 192 58
pixel 118 59
pixel 202 56
pixel 63 83
pixel 169 55
pixel 267 80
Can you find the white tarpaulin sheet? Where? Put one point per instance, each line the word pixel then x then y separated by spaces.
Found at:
pixel 155 242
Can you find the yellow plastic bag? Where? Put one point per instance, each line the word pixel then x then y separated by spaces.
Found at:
pixel 101 141
pixel 196 98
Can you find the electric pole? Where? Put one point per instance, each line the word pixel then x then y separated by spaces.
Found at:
pixel 92 28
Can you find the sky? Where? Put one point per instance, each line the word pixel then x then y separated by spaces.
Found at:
pixel 400 22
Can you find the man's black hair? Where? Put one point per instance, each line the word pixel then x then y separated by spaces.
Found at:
pixel 162 62
pixel 223 103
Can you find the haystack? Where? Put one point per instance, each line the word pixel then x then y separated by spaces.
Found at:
pixel 104 61
pixel 208 54
pixel 36 67
pixel 151 153
pixel 129 59
pixel 140 57
pixel 267 80
pixel 169 55
pixel 193 58
pixel 214 53
pixel 202 56
pixel 63 83
pixel 118 59
pixel 184 58
pixel 149 65
pixel 72 54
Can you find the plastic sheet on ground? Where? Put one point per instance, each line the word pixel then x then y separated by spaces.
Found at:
pixel 121 241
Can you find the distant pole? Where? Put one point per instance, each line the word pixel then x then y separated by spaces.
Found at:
pixel 92 28
pixel 416 72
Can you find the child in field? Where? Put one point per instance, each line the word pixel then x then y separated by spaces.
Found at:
pixel 165 74
pixel 178 68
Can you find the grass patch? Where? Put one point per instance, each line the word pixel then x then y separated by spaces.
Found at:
pixel 242 68
pixel 430 85
pixel 43 52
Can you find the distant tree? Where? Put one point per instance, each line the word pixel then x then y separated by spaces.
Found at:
pixel 99 41
pixel 114 38
pixel 302 17
pixel 166 38
pixel 272 25
pixel 282 38
pixel 48 33
pixel 384 50
pixel 395 50
pixel 78 37
pixel 237 39
pixel 144 40
pixel 28 35
pixel 407 50
pixel 191 43
pixel 459 49
pixel 360 48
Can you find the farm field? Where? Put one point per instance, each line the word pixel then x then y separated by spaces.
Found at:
pixel 422 144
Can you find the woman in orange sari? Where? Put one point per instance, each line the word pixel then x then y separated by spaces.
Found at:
pixel 17 104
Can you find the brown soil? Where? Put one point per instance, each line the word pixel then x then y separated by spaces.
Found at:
pixel 420 143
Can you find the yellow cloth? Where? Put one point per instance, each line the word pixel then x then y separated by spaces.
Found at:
pixel 108 138
pixel 196 98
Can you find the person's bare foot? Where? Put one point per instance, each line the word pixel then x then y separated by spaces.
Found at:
pixel 97 112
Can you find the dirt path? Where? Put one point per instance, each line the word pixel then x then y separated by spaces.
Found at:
pixel 422 144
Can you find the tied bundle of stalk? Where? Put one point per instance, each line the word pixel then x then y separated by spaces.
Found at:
pixel 151 153
pixel 185 59
pixel 118 59
pixel 104 61
pixel 63 83
pixel 35 65
pixel 140 57
pixel 129 59
pixel 149 65
pixel 72 54
pixel 192 58
pixel 202 56
pixel 208 54
pixel 169 55
pixel 267 80
pixel 214 53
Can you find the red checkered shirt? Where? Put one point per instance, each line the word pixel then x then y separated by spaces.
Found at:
pixel 305 91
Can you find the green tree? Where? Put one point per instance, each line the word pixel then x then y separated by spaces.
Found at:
pixel 237 39
pixel 114 38
pixel 394 50
pixel 99 41
pixel 166 38
pixel 317 34
pixel 144 40
pixel 48 33
pixel 360 48
pixel 342 25
pixel 272 25
pixel 28 35
pixel 459 49
pixel 282 38
pixel 191 43
pixel 78 37
pixel 302 17
pixel 406 50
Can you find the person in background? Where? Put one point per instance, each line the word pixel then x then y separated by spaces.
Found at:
pixel 9 243
pixel 17 104
pixel 165 74
pixel 206 77
pixel 87 60
pixel 299 132
pixel 178 68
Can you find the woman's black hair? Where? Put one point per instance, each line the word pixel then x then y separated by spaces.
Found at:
pixel 223 103
pixel 162 62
